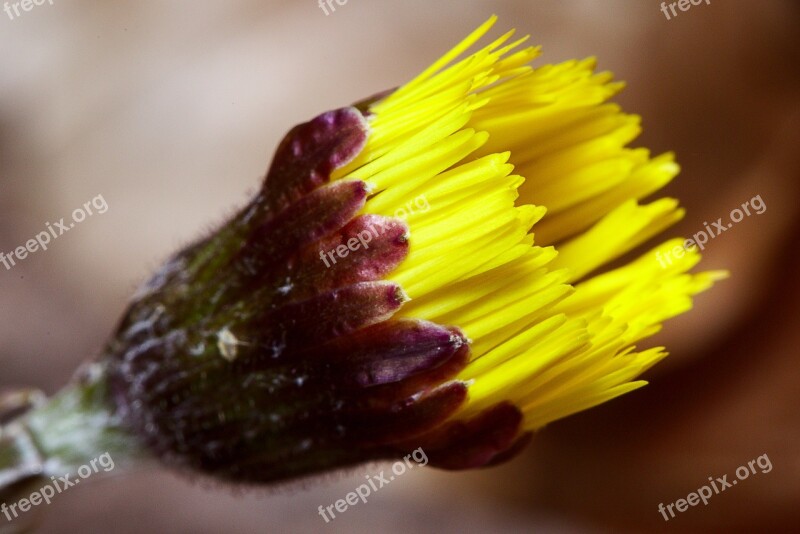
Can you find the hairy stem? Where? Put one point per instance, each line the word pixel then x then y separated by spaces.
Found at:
pixel 58 436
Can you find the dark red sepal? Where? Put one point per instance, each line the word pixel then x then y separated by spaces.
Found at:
pixel 490 437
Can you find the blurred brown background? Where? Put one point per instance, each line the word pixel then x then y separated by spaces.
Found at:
pixel 171 111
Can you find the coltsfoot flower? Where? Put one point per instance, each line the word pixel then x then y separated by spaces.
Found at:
pixel 337 319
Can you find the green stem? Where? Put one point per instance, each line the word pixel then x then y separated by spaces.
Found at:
pixel 61 435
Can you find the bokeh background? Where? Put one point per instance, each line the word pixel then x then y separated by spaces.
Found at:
pixel 171 111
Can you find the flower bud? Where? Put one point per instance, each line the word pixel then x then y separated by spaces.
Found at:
pixel 257 355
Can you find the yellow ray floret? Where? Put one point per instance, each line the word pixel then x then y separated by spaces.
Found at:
pixel 484 157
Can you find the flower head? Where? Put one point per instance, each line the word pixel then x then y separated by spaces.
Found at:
pixel 428 268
